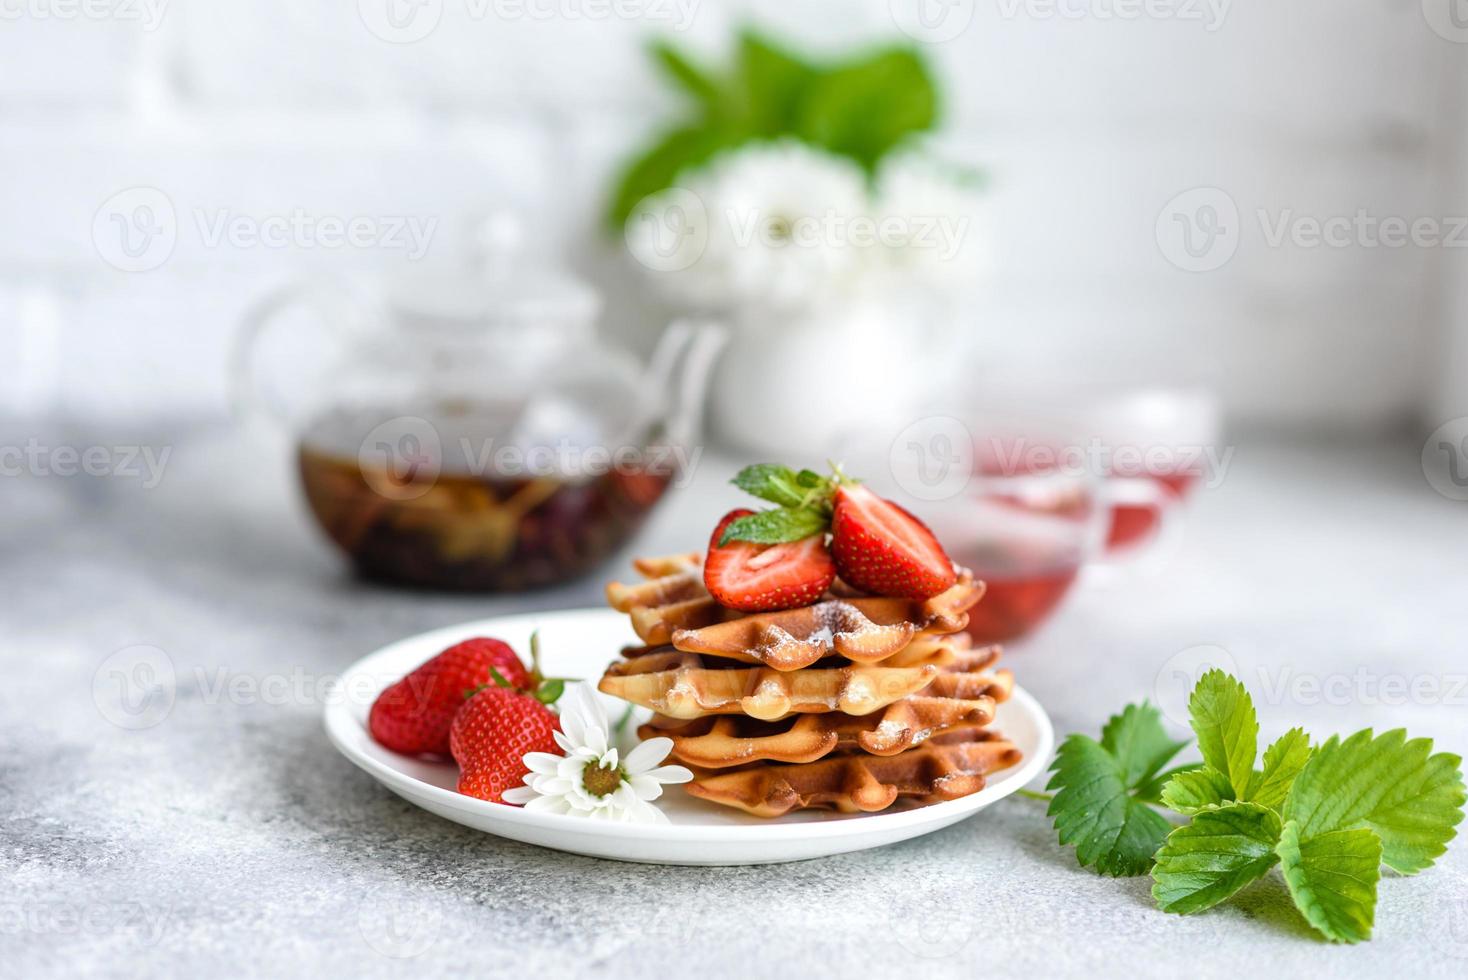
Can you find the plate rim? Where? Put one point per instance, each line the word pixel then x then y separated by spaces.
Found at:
pixel 340 725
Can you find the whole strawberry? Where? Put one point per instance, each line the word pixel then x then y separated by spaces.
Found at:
pixel 413 716
pixel 491 735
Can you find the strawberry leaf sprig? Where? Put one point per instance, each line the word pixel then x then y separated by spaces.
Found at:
pixel 1330 816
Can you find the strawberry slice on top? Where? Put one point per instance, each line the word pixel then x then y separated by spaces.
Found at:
pixel 879 547
pixel 755 577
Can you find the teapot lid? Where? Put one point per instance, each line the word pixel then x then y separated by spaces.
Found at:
pixel 496 288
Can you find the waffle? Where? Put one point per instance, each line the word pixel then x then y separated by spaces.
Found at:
pixel 686 685
pixel 861 630
pixel 672 606
pixel 721 741
pixel 945 767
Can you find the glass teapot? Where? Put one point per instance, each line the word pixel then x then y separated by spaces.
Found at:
pixel 471 431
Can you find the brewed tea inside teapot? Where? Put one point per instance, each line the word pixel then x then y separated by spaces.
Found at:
pixel 472 432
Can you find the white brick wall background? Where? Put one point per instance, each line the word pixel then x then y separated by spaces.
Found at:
pixel 1088 125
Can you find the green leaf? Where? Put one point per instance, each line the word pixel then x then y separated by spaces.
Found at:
pixel 1228 732
pixel 770 86
pixel 550 691
pixel 776 526
pixel 773 482
pixel 657 168
pixel 1282 763
pixel 1094 809
pixel 1332 879
pixel 1200 789
pixel 1139 742
pixel 694 80
pixel 1152 789
pixel 866 108
pixel 1411 798
pixel 1219 853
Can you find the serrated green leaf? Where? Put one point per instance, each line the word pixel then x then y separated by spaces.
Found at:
pixel 1216 855
pixel 1282 764
pixel 1151 790
pixel 777 526
pixel 1139 742
pixel 1411 798
pixel 1200 789
pixel 1110 829
pixel 1227 729
pixel 772 482
pixel 1333 878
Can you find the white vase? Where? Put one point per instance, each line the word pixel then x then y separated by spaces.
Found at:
pixel 803 384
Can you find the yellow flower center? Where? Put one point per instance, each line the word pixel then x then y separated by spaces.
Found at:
pixel 601 780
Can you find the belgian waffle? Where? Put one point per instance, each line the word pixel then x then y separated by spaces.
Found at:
pixel 672 606
pixel 721 741
pixel 946 767
pixel 686 685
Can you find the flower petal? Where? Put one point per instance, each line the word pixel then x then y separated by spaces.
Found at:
pixel 542 762
pixel 648 754
pixel 646 787
pixel 547 804
pixel 670 774
pixel 519 795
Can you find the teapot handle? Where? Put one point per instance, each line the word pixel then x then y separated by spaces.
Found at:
pixel 335 304
pixel 677 376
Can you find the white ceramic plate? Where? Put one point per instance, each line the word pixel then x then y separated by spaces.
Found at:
pixel 580 643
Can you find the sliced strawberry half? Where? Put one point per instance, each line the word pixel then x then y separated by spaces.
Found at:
pixel 879 547
pixel 763 577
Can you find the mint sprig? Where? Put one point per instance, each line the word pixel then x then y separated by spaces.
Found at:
pixel 1329 817
pixel 805 500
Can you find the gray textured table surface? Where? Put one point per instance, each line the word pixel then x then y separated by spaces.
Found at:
pixel 230 837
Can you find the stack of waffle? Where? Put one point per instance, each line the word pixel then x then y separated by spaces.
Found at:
pixel 855 702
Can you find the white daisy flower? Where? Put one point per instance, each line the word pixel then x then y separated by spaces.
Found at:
pixel 768 224
pixel 592 779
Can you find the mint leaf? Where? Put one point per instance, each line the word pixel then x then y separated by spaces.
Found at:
pixel 776 526
pixel 1398 788
pixel 1227 729
pixel 772 482
pixel 1215 856
pixel 1282 763
pixel 1200 789
pixel 1097 806
pixel 1332 879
